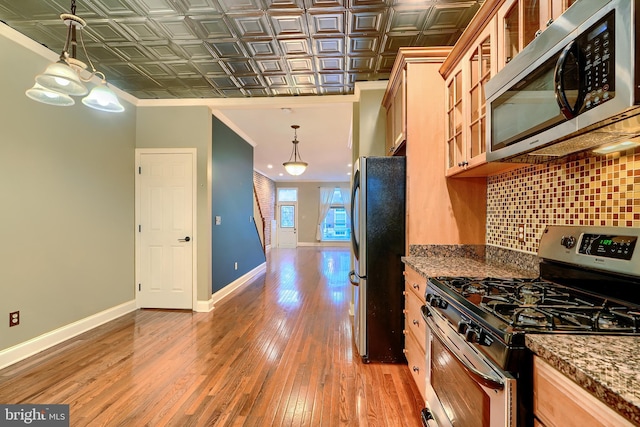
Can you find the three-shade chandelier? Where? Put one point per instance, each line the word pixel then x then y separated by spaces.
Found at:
pixel 63 79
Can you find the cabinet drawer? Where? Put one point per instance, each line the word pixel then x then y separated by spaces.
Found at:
pixel 416 360
pixel 414 281
pixel 413 318
pixel 559 402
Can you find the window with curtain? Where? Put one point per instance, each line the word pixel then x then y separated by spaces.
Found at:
pixel 334 224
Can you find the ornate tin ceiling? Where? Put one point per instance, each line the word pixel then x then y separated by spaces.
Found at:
pixel 243 48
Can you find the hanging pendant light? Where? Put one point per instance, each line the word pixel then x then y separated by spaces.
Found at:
pixel 60 77
pixel 46 96
pixel 63 79
pixel 297 166
pixel 103 99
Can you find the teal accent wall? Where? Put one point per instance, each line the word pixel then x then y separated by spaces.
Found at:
pixel 235 239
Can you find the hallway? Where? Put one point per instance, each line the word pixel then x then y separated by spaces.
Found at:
pixel 276 353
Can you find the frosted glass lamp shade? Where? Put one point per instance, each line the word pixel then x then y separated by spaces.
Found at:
pixel 59 77
pixel 295 168
pixel 46 96
pixel 102 98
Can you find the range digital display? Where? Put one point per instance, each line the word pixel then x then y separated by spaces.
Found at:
pixel 618 247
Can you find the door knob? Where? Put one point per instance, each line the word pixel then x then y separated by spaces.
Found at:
pixel 186 239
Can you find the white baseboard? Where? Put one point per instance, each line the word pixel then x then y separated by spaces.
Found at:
pixel 35 345
pixel 237 284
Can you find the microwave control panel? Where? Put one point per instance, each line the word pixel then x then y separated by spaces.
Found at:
pixel 597 44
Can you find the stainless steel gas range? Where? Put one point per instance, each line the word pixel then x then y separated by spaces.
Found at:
pixel 479 368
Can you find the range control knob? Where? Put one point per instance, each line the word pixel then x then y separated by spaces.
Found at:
pixel 462 327
pixel 435 301
pixel 471 335
pixel 568 241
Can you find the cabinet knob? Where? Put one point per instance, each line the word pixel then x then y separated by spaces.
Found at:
pixel 416 286
pixel 415 322
pixel 416 369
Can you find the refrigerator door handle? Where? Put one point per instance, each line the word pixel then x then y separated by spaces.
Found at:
pixel 354 278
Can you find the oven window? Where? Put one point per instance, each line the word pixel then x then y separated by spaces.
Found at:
pixel 464 401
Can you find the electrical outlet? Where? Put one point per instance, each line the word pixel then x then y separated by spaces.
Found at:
pixel 520 232
pixel 235 265
pixel 14 318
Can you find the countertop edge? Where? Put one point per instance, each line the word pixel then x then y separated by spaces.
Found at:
pixel 546 347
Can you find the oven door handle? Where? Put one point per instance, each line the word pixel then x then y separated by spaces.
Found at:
pixel 489 381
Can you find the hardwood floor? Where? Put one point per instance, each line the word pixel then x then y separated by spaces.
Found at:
pixel 277 353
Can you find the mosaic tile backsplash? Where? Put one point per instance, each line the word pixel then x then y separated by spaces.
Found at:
pixel 602 191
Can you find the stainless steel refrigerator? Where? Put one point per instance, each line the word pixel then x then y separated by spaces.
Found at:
pixel 378 242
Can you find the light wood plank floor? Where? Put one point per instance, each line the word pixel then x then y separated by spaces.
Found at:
pixel 277 353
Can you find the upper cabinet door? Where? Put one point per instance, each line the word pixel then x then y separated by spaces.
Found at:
pixel 519 20
pixel 466 108
pixel 397 115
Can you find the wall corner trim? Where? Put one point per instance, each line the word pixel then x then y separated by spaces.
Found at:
pixel 238 283
pixel 35 345
pixel 204 306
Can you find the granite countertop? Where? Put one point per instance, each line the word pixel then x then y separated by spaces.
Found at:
pixel 607 366
pixel 432 266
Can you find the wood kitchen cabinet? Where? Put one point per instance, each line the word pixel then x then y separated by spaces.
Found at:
pixel 396 105
pixel 520 20
pixel 438 211
pixel 560 402
pixel 497 33
pixel 466 130
pixel 466 108
pixel 415 328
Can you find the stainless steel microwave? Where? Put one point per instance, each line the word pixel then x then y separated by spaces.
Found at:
pixel 573 88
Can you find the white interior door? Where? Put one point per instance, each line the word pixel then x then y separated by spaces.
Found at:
pixel 165 213
pixel 287 225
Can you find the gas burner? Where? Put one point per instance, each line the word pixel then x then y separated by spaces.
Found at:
pixel 606 321
pixel 472 288
pixel 530 295
pixel 529 316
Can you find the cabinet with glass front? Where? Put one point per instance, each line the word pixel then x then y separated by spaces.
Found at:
pixel 521 20
pixel 466 109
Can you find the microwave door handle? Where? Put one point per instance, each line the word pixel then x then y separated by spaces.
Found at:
pixel 568 111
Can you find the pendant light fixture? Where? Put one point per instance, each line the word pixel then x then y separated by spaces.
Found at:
pixel 295 166
pixel 62 80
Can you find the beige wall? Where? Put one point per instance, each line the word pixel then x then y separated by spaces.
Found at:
pixel 66 179
pixel 308 205
pixel 186 127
